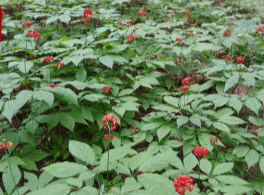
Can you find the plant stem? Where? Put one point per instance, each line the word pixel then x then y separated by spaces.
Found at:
pixel 107 174
pixel 199 172
pixel 108 157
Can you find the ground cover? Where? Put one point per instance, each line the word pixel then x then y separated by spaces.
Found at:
pixel 132 97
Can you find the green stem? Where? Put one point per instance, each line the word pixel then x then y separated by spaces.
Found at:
pixel 107 174
pixel 108 157
pixel 199 171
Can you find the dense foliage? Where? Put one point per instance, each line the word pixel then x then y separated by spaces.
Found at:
pixel 138 97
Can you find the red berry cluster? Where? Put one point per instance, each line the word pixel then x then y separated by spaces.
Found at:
pixel 182 180
pixel 200 151
pixel 51 85
pixel 260 29
pixel 166 20
pixel 227 33
pixel 106 89
pixel 188 81
pixel 142 12
pixel 213 139
pixel 86 18
pixel 87 11
pixel 61 64
pixel 109 119
pixel 184 88
pixel 120 23
pixel 6 145
pixel 106 137
pixel 178 39
pixel 130 37
pixel 34 33
pixel 185 82
pixel 228 24
pixel 133 128
pixel 26 24
pixel 228 58
pixel 48 59
pixel 240 59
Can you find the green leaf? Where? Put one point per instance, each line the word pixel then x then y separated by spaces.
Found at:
pixel 36 155
pixel 221 126
pixel 230 179
pixel 231 81
pixel 162 132
pixel 235 103
pixel 196 121
pixel 204 139
pixel 82 151
pixel 156 181
pixel 24 67
pixel 87 190
pixel 172 100
pixel 261 164
pixel 256 120
pixel 116 154
pixel 64 94
pixel 11 177
pixel 231 120
pixel 130 185
pixel 51 19
pixel 223 112
pixel 236 189
pixel 54 189
pixel 253 104
pixel 13 106
pixel 168 82
pixel 76 59
pixel 67 121
pixel 241 151
pixel 45 96
pixel 205 166
pixel 182 120
pixel 252 157
pixel 125 92
pixel 65 18
pixel 157 162
pixel 190 161
pixel 94 97
pixel 32 179
pixel 81 74
pixel 65 169
pixel 107 61
pixel 223 168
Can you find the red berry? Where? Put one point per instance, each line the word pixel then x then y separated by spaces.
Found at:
pixel 106 137
pixel 190 188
